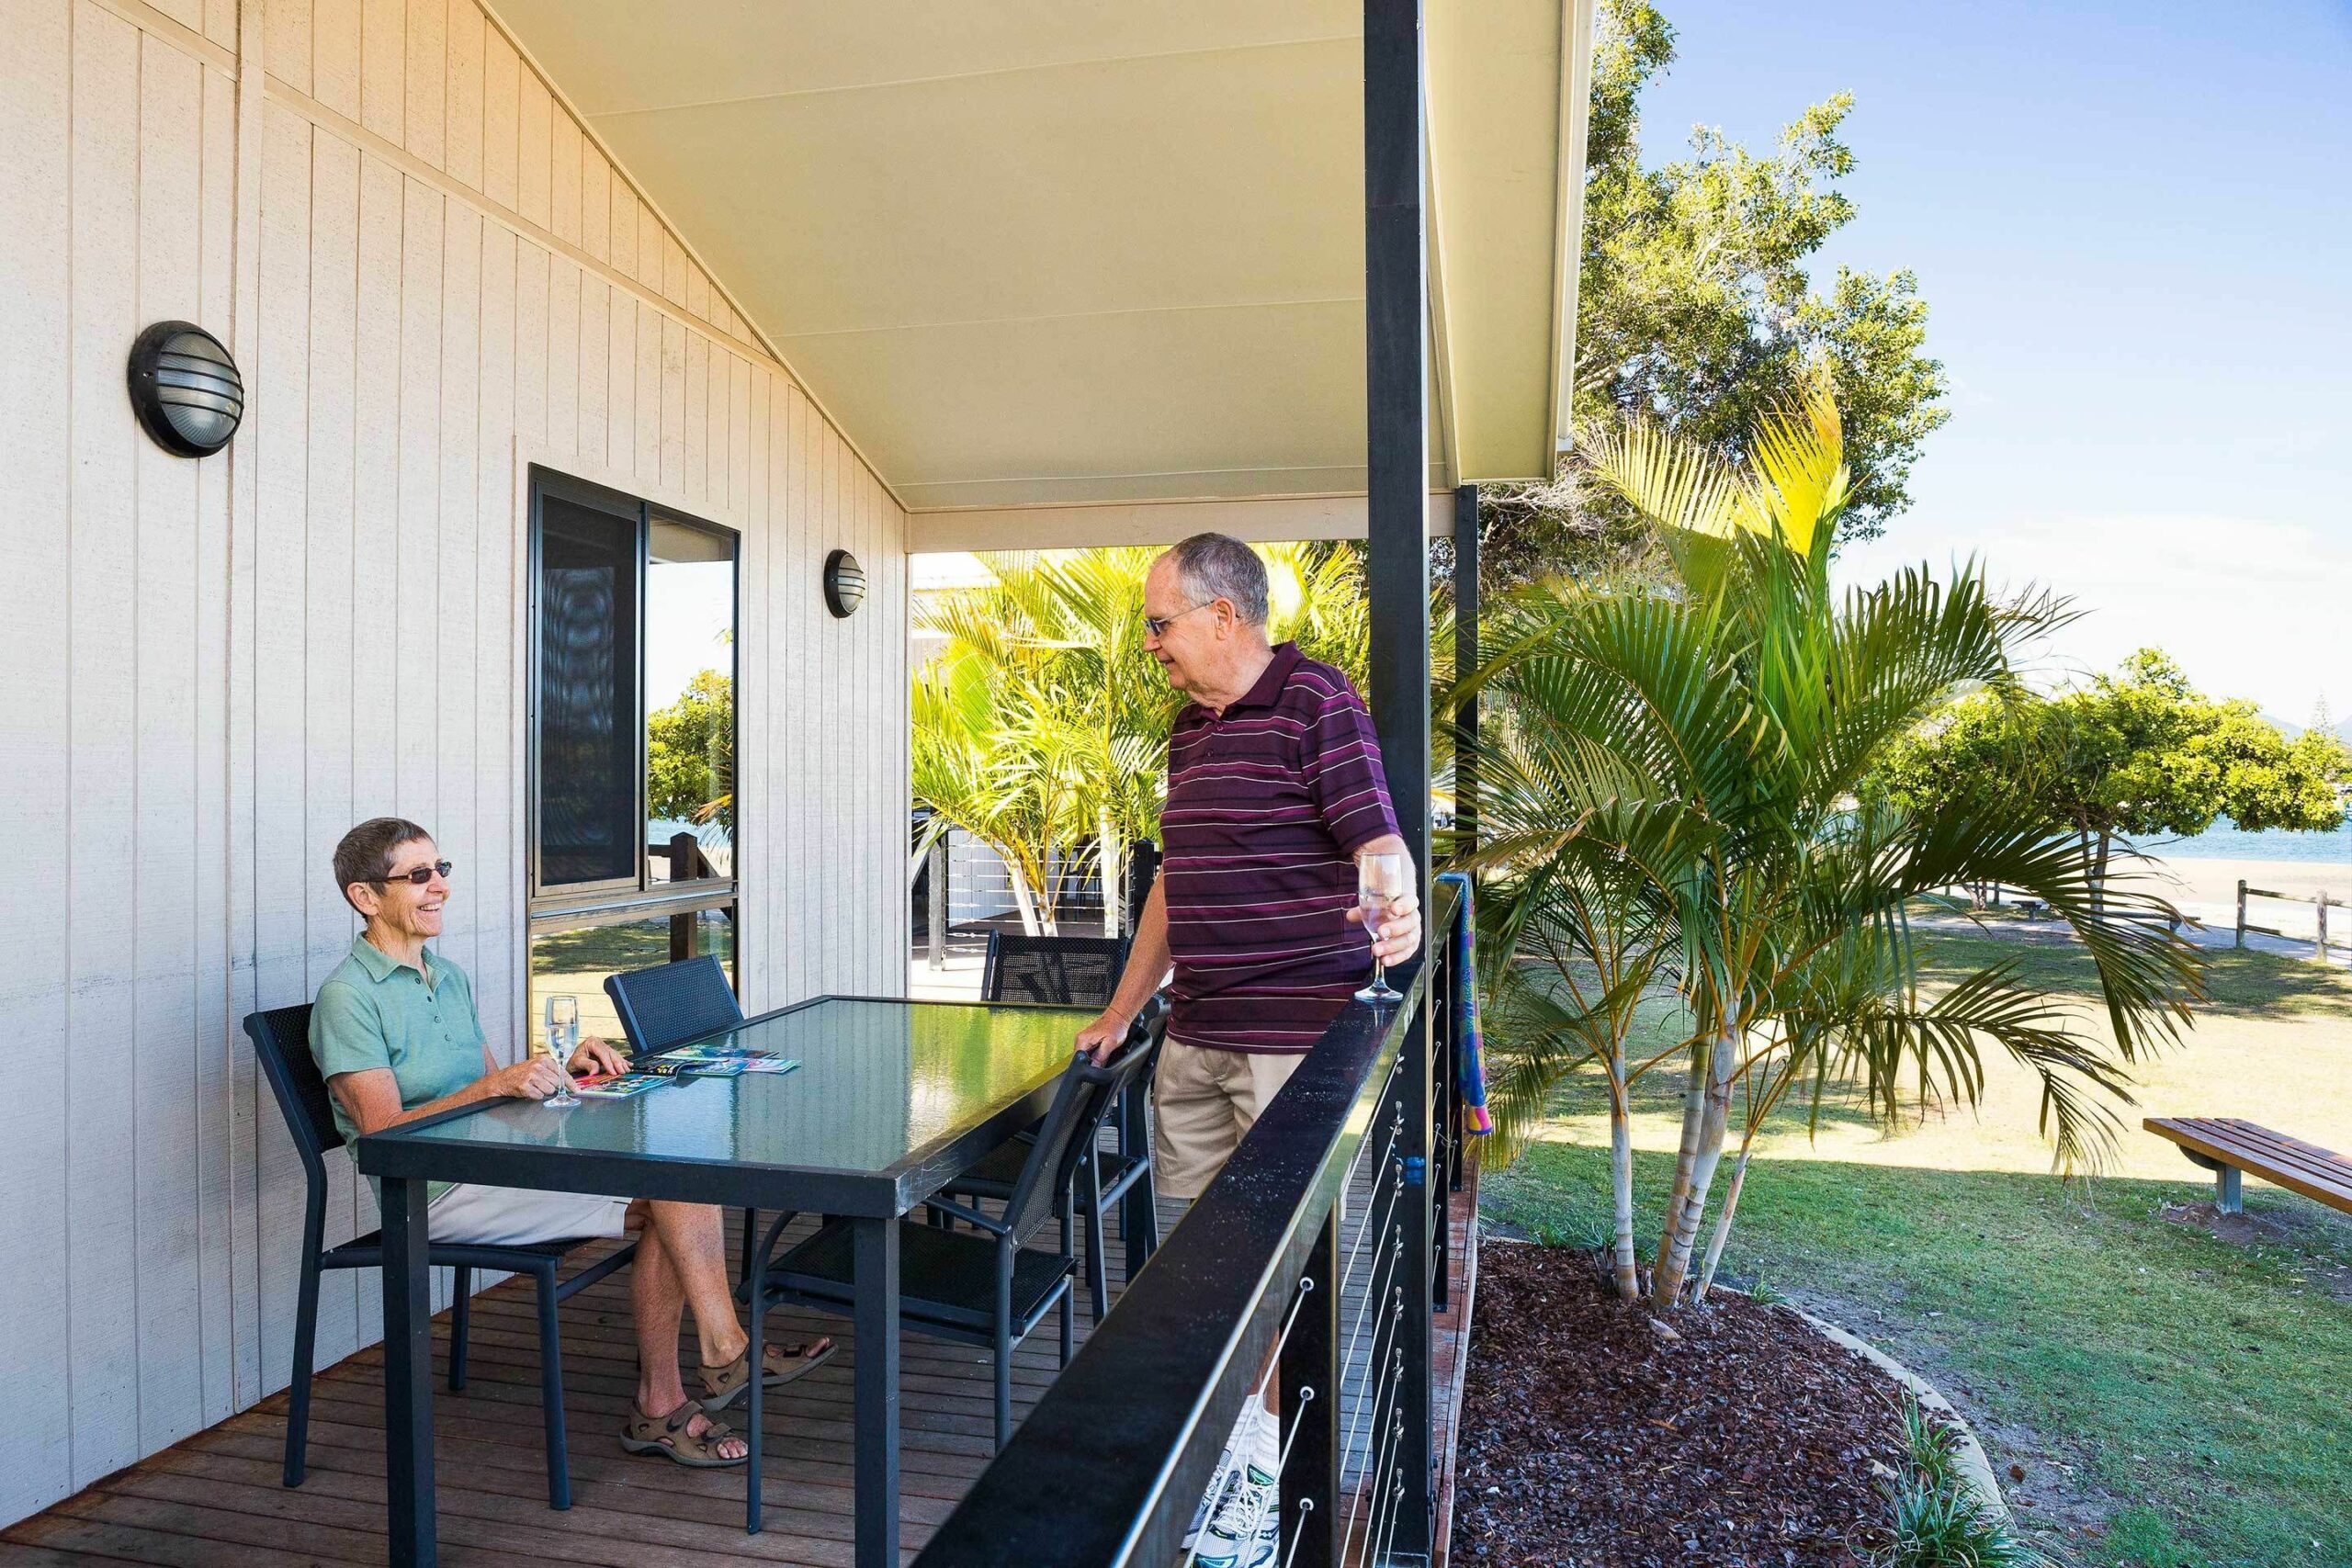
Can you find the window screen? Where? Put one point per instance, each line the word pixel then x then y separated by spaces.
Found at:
pixel 589 823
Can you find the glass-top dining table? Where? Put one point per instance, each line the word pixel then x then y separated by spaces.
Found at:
pixel 892 1099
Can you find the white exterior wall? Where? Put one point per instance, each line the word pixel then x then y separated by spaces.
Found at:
pixel 430 279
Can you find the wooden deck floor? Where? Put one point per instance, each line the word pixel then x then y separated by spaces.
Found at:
pixel 215 1498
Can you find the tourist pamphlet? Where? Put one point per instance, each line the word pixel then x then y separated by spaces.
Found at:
pixel 715 1059
pixel 615 1086
pixel 692 1066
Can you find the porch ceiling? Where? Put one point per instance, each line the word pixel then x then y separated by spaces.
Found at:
pixel 1041 252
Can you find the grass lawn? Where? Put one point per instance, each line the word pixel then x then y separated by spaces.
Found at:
pixel 2182 1395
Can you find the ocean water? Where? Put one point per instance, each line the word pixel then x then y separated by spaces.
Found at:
pixel 2225 841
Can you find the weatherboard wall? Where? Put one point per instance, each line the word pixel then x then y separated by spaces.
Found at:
pixel 432 279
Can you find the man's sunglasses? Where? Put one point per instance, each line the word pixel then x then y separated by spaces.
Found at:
pixel 1157 624
pixel 420 875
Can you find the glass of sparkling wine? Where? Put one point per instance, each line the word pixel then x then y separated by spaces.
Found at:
pixel 1379 878
pixel 563 1038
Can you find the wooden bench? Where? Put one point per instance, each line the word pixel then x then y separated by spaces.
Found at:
pixel 2229 1147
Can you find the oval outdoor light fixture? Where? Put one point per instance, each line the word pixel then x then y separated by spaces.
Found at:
pixel 844 584
pixel 186 388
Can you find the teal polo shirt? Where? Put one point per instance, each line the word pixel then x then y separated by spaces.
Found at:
pixel 374 1011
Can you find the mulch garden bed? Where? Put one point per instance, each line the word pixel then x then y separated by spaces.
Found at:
pixel 1737 1438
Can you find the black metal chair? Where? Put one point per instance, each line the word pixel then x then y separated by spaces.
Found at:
pixel 1064 971
pixel 281 1038
pixel 989 1290
pixel 671 1004
pixel 1070 971
pixel 1098 1183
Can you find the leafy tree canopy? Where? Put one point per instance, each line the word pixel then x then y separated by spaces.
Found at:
pixel 690 754
pixel 1696 308
pixel 2138 752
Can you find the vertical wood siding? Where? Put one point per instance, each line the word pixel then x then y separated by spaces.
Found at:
pixel 213 668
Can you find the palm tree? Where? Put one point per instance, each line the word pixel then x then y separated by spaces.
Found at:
pixel 1042 728
pixel 1671 798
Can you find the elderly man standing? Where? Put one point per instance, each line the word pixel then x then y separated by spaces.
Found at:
pixel 1274 788
pixel 397 1038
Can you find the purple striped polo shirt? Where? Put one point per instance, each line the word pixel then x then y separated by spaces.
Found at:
pixel 1267 805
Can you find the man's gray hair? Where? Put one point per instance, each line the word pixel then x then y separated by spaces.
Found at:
pixel 1219 566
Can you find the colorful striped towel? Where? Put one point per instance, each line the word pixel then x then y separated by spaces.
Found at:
pixel 1470 1058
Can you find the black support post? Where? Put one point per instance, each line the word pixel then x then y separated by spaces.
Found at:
pixel 1396 511
pixel 408 1375
pixel 875 1389
pixel 683 928
pixel 1465 659
pixel 1310 1496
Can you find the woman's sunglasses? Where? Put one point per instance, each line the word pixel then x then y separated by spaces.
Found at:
pixel 421 875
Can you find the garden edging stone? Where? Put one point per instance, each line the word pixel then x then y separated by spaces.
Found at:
pixel 1969 1454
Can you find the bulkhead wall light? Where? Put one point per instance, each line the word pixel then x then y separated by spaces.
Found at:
pixel 186 388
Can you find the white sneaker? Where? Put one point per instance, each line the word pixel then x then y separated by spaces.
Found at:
pixel 1220 1481
pixel 1266 1549
pixel 1266 1458
pixel 1245 1511
pixel 1266 1441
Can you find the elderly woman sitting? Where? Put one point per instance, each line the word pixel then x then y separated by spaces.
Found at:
pixel 397 1038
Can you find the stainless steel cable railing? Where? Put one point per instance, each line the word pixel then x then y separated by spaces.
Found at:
pixel 1307 1269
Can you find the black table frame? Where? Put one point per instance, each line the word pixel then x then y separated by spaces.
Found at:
pixel 873 1202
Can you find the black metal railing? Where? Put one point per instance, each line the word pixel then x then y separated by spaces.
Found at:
pixel 1307 1265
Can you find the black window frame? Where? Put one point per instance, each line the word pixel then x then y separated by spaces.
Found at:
pixel 572 905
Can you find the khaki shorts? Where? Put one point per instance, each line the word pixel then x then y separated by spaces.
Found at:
pixel 1203 1102
pixel 516 1216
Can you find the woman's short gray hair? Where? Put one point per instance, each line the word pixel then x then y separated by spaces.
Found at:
pixel 1219 566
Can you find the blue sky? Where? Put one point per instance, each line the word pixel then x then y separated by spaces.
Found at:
pixel 2134 225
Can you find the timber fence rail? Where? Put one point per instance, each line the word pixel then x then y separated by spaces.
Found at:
pixel 2319 902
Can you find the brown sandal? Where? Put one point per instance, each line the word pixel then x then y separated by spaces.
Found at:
pixel 722 1385
pixel 667 1434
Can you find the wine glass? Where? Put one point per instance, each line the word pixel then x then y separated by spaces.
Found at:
pixel 563 1038
pixel 1380 876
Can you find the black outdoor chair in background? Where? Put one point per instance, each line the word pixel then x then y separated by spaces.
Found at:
pixel 1058 971
pixel 671 1004
pixel 1073 971
pixel 989 1290
pixel 281 1038
pixel 1096 1184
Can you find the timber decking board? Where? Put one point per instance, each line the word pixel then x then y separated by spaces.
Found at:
pixel 214 1498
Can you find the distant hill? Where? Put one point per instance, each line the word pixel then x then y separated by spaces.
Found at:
pixel 2290 729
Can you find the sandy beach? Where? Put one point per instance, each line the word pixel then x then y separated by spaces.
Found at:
pixel 2208 891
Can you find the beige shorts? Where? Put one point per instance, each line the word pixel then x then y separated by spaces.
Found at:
pixel 1203 1102
pixel 516 1216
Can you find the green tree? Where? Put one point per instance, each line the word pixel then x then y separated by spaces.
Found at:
pixel 2138 754
pixel 690 754
pixel 1670 794
pixel 1042 726
pixel 1696 309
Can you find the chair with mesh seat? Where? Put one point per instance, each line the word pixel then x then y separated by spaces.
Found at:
pixel 1056 971
pixel 281 1038
pixel 1072 971
pixel 1096 1184
pixel 993 1289
pixel 672 1005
